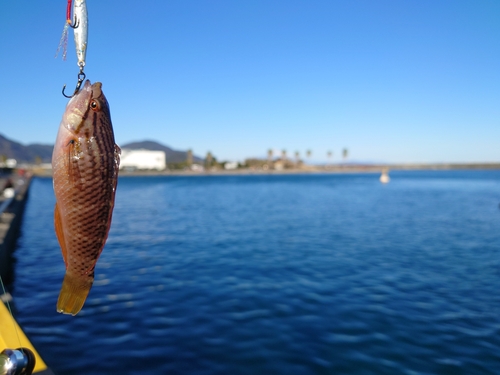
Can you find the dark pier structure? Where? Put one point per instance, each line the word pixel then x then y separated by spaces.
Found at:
pixel 14 188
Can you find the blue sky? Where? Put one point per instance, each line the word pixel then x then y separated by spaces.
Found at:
pixel 391 80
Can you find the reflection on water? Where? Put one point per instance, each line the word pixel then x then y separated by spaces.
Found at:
pixel 321 274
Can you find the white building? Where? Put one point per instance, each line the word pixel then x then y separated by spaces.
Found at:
pixel 9 163
pixel 142 159
pixel 231 165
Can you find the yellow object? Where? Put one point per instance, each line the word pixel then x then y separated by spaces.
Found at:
pixel 12 337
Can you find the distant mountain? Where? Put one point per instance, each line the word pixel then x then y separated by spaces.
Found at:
pixel 26 154
pixel 172 156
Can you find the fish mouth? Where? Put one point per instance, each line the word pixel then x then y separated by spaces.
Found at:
pixel 87 87
pixel 87 84
pixel 81 93
pixel 95 90
pixel 77 107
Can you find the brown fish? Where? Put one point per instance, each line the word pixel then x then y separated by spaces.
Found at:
pixel 85 173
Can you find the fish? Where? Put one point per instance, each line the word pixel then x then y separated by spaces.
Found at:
pixel 85 164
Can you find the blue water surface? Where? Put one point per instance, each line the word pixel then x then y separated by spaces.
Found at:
pixel 276 274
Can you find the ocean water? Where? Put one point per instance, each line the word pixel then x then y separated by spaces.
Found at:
pixel 276 274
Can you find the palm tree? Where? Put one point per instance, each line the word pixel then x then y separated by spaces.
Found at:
pixel 270 155
pixel 308 153
pixel 345 153
pixel 189 160
pixel 297 158
pixel 329 156
pixel 208 160
pixel 283 155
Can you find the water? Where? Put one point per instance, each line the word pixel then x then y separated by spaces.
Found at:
pixel 314 274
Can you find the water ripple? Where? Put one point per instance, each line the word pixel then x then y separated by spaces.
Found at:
pixel 277 275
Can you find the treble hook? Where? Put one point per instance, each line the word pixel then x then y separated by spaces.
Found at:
pixel 81 77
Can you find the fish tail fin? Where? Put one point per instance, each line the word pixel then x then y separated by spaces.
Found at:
pixel 73 293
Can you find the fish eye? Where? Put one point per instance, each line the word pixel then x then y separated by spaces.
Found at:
pixel 95 105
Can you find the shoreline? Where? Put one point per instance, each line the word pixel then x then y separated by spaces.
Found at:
pixel 333 169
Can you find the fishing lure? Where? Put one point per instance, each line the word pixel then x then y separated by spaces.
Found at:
pixel 80 30
pixel 63 43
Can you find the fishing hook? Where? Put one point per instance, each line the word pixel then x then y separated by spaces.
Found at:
pixel 75 24
pixel 81 77
pixel 68 17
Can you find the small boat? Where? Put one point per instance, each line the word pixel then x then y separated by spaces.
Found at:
pixel 384 177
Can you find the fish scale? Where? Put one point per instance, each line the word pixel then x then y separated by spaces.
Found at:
pixel 85 168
